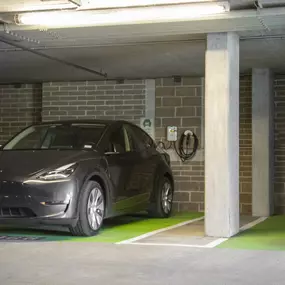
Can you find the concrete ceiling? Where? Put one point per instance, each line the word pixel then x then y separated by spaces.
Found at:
pixel 148 60
pixel 126 52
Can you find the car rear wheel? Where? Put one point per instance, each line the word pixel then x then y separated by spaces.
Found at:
pixel 91 210
pixel 163 199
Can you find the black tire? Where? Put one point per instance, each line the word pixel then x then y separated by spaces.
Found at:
pixel 156 208
pixel 83 226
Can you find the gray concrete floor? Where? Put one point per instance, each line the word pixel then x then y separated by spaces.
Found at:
pixel 94 263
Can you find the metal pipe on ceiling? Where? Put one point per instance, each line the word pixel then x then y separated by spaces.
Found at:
pixel 263 37
pixel 94 72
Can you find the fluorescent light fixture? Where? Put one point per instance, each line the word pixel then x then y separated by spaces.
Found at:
pixel 35 5
pixel 155 14
pixel 103 4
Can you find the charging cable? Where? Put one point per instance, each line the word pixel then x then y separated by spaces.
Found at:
pixel 186 149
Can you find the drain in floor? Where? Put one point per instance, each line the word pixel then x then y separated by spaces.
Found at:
pixel 20 238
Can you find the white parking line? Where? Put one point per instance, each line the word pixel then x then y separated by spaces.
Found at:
pixel 140 237
pixel 215 242
pixel 209 245
pixel 242 229
pixel 252 224
pixel 212 244
pixel 168 244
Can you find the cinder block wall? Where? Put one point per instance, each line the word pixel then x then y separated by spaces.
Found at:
pixel 94 100
pixel 178 104
pixel 245 141
pixel 279 155
pixel 181 104
pixel 20 106
pixel 188 98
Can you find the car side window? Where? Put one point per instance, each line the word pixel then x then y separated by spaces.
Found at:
pixel 117 141
pixel 131 138
pixel 145 141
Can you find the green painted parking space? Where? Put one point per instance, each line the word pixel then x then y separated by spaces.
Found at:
pixel 114 230
pixel 268 235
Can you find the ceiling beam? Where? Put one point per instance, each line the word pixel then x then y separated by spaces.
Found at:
pixel 272 3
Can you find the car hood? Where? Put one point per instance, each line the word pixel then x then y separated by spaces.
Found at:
pixel 23 164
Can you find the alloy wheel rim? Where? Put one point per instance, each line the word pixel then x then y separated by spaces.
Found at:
pixel 166 197
pixel 95 208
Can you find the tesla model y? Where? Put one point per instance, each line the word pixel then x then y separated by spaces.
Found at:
pixel 78 173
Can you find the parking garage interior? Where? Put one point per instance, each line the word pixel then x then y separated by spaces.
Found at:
pixel 219 75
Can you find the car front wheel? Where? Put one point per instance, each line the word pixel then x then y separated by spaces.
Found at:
pixel 91 210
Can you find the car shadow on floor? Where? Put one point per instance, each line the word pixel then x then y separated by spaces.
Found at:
pixel 114 230
pixel 64 232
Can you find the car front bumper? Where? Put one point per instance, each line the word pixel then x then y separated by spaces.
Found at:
pixel 34 202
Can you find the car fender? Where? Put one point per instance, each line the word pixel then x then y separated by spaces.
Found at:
pixel 104 178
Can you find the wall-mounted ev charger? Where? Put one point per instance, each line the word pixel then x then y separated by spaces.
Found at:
pixel 187 145
pixel 171 134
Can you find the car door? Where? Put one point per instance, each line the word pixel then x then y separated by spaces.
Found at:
pixel 121 166
pixel 137 183
pixel 149 158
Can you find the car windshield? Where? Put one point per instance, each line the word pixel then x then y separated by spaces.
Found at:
pixel 62 137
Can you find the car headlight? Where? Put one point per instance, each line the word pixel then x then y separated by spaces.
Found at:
pixel 62 172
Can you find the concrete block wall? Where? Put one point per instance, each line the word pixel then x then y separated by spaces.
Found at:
pixel 279 144
pixel 178 104
pixel 181 104
pixel 20 106
pixel 94 100
pixel 245 145
pixel 188 98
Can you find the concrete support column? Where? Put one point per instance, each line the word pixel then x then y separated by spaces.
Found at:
pixel 262 142
pixel 222 135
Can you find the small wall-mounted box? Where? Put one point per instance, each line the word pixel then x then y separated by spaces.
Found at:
pixel 172 133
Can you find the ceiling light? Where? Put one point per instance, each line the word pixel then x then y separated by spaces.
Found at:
pixel 156 14
pixel 103 4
